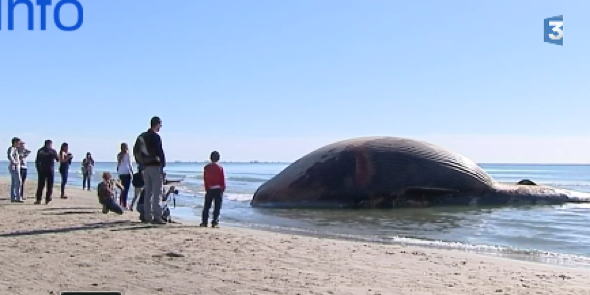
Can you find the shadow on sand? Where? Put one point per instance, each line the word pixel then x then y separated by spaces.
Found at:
pixel 96 209
pixel 122 225
pixel 148 226
pixel 85 227
pixel 72 213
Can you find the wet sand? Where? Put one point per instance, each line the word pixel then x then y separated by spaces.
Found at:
pixel 70 245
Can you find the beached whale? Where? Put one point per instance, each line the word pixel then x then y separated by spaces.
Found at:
pixel 393 172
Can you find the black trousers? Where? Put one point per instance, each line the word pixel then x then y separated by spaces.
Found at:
pixel 126 180
pixel 63 171
pixel 212 196
pixel 23 176
pixel 45 178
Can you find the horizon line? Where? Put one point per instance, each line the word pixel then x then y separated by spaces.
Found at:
pixel 286 162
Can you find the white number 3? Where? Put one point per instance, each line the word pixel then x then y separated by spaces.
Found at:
pixel 556 28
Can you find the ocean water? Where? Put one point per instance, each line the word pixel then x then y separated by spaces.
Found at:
pixel 554 234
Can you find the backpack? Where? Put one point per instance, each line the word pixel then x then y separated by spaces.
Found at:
pixel 140 149
pixel 138 181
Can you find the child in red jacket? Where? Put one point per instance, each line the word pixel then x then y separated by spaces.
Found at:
pixel 214 186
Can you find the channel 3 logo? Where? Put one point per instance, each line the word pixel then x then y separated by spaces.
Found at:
pixel 554 30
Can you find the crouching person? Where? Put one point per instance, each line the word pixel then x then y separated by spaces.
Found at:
pixel 106 194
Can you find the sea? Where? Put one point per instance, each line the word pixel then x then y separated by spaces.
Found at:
pixel 549 234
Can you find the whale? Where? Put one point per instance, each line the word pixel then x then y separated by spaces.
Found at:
pixel 395 172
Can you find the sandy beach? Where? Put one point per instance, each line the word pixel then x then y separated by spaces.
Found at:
pixel 69 245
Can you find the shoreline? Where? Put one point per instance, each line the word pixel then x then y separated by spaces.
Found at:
pixel 491 250
pixel 69 245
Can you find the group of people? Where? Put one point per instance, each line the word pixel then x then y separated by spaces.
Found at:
pixel 45 165
pixel 151 160
pixel 148 181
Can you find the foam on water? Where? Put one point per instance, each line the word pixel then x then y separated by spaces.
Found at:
pixel 492 250
pixel 579 195
pixel 238 197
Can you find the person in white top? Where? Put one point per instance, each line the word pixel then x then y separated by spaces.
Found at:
pixel 23 153
pixel 125 172
pixel 14 169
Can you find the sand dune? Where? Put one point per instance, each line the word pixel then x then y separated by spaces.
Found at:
pixel 71 245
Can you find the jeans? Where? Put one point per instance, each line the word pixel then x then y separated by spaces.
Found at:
pixel 86 180
pixel 15 185
pixel 212 196
pixel 126 180
pixel 64 180
pixel 45 177
pixel 153 190
pixel 23 178
pixel 110 205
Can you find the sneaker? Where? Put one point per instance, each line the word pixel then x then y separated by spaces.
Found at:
pixel 105 210
pixel 158 221
pixel 17 201
pixel 47 201
pixel 37 203
pixel 214 224
pixel 203 225
pixel 63 197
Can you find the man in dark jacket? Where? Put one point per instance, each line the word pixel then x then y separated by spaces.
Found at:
pixel 45 164
pixel 150 155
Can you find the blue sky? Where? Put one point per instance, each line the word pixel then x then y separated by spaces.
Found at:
pixel 273 80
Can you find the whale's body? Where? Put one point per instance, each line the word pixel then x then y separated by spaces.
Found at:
pixel 393 172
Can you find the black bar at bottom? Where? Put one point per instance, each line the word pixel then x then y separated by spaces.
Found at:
pixel 91 293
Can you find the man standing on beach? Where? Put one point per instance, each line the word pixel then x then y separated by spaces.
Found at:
pixel 148 153
pixel 45 164
pixel 14 168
